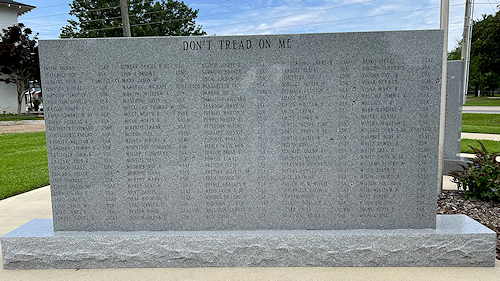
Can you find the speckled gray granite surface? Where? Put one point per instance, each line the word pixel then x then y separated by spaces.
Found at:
pixel 289 150
pixel 457 241
pixel 453 119
pixel 454 103
pixel 299 131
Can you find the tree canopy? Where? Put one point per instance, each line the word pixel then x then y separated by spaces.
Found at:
pixel 484 71
pixel 19 59
pixel 99 18
pixel 456 53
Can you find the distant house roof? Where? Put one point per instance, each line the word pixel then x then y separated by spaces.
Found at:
pixel 22 8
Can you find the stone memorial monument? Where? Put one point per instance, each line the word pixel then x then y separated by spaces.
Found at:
pixel 453 119
pixel 284 150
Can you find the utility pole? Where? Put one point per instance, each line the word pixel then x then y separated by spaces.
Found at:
pixel 445 12
pixel 125 21
pixel 466 42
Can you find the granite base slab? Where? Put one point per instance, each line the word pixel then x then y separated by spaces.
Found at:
pixel 457 241
pixel 453 164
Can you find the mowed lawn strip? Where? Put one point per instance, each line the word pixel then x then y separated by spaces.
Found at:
pixel 14 117
pixel 491 146
pixel 481 123
pixel 482 102
pixel 23 163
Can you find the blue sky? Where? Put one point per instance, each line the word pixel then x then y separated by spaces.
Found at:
pixel 237 17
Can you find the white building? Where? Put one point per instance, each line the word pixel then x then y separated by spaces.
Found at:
pixel 9 11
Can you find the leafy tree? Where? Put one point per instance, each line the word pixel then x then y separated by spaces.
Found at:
pixel 99 18
pixel 485 53
pixel 456 53
pixel 477 79
pixel 19 59
pixel 485 50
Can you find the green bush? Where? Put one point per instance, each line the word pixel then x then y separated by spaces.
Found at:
pixel 481 178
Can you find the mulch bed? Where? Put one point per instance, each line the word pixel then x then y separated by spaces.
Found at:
pixel 487 213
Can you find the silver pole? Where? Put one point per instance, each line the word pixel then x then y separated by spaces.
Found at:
pixel 467 38
pixel 125 20
pixel 445 11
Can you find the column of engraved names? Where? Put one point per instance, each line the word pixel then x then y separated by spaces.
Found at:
pixel 224 139
pixel 265 131
pixel 145 107
pixel 381 123
pixel 304 189
pixel 423 128
pixel 185 172
pixel 347 90
pixel 106 129
pixel 70 141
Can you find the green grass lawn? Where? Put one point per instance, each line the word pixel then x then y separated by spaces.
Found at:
pixel 491 146
pixel 23 163
pixel 482 102
pixel 15 117
pixel 481 123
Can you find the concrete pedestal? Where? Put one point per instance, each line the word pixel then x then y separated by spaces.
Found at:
pixel 453 164
pixel 457 241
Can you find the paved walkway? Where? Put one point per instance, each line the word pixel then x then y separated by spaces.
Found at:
pixel 23 126
pixel 481 109
pixel 21 122
pixel 476 136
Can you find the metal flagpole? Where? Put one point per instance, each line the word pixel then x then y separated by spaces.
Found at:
pixel 125 20
pixel 467 38
pixel 445 11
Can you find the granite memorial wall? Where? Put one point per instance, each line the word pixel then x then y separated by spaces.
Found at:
pixel 307 131
pixel 453 119
pixel 285 150
pixel 454 103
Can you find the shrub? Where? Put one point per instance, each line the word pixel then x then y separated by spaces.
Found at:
pixel 481 178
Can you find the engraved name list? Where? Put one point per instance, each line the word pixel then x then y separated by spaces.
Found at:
pixel 309 131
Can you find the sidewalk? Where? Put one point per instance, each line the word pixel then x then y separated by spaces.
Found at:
pixel 477 136
pixel 481 109
pixel 22 126
pixel 21 122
